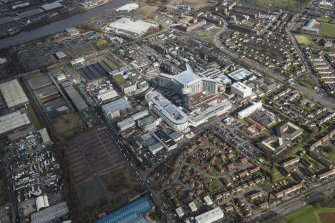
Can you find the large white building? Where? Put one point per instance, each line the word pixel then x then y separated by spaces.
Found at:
pixel 12 121
pixel 186 84
pixel 129 26
pixel 249 110
pixel 171 114
pixel 205 106
pixel 128 7
pixel 241 90
pixel 13 94
pixel 210 216
pixel 113 109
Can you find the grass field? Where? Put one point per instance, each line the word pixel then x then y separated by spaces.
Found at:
pixel 33 118
pixel 102 43
pixel 308 214
pixel 67 125
pixel 307 82
pixel 197 4
pixel 302 39
pixel 324 19
pixel 292 5
pixel 206 35
pixel 146 11
pixel 329 155
pixel 327 30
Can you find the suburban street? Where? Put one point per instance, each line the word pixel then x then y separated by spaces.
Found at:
pixel 323 98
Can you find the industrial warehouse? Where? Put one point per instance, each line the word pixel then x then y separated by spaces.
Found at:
pixel 13 94
pixel 129 26
pixel 49 96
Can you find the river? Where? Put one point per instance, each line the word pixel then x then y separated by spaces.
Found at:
pixel 58 26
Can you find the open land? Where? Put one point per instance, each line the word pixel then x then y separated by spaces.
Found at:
pixel 311 214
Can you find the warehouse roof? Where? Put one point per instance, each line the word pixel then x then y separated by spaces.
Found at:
pixel 240 74
pixel 128 7
pixel 5 20
pixel 115 106
pixel 45 136
pixel 13 121
pixel 72 31
pixel 50 214
pixel 13 93
pixel 30 13
pixel 129 25
pixel 210 216
pixel 51 6
pixel 76 98
pixel 138 207
pixel 40 81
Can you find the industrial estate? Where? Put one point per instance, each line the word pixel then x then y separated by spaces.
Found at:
pixel 193 111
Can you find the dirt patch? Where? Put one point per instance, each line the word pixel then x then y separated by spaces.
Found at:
pixel 146 11
pixel 197 3
pixel 327 217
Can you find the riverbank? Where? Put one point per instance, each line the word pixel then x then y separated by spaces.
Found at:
pixel 58 26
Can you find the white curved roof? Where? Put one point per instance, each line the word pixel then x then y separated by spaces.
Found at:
pixel 169 110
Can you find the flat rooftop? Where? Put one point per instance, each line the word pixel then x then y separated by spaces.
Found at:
pixel 240 86
pixel 169 110
pixel 129 25
pixel 50 214
pixel 13 93
pixel 13 121
pixel 239 74
pixel 115 106
pixel 187 78
pixel 51 6
pixel 128 7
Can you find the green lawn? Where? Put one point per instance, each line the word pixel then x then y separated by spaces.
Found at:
pixel 67 125
pixel 215 185
pixel 102 43
pixel 206 35
pixel 307 82
pixel 330 156
pixel 293 5
pixel 327 30
pixel 33 118
pixel 302 39
pixel 324 19
pixel 308 214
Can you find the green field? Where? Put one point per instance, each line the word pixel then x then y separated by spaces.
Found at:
pixel 307 82
pixel 67 125
pixel 292 5
pixel 102 43
pixel 33 118
pixel 327 30
pixel 302 39
pixel 308 214
pixel 324 19
pixel 206 35
pixel 329 154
